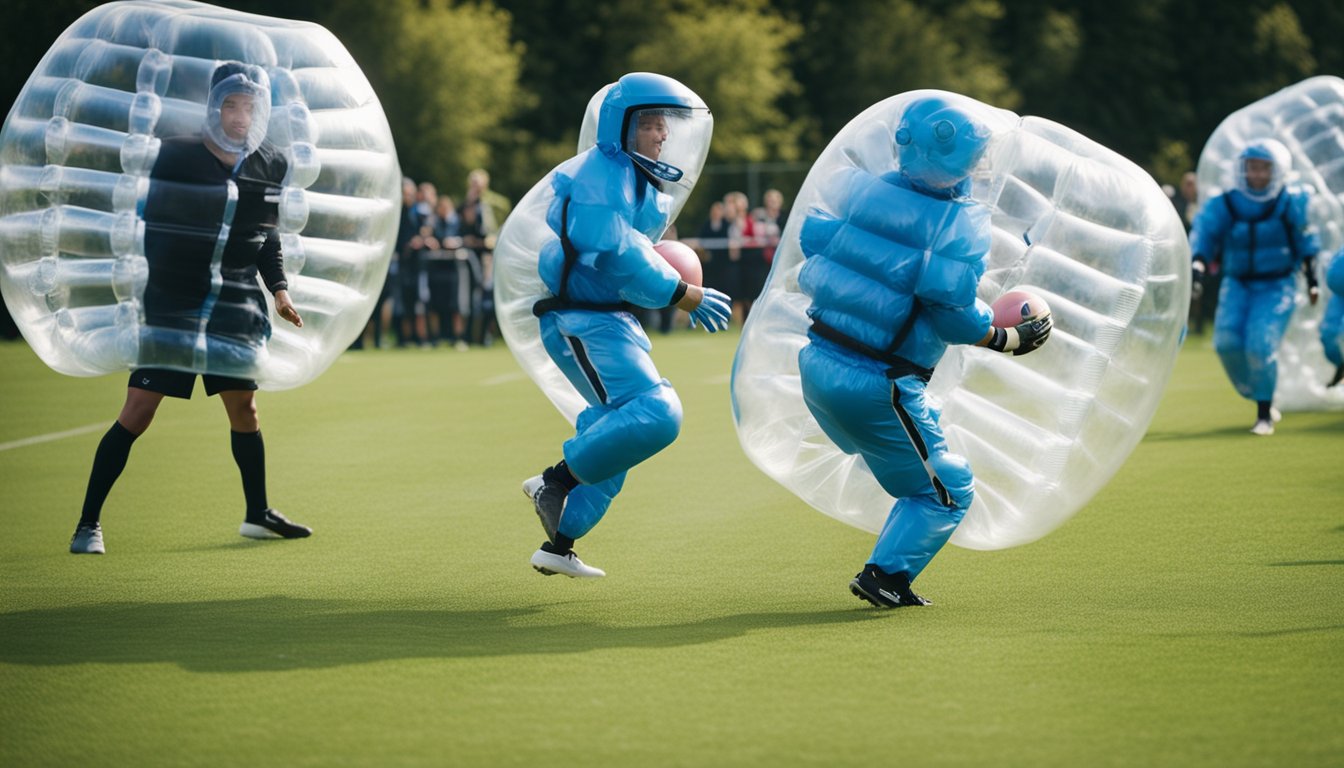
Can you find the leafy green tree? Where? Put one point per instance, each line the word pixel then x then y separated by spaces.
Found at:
pixel 735 60
pixel 447 76
pixel 855 54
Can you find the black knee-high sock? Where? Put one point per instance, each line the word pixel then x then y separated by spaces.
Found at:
pixel 250 454
pixel 1262 410
pixel 108 462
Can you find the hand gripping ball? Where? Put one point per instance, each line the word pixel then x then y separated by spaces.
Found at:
pixel 1016 307
pixel 120 242
pixel 1086 230
pixel 682 258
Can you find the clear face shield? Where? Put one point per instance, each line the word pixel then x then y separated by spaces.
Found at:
pixel 238 111
pixel 1262 170
pixel 670 145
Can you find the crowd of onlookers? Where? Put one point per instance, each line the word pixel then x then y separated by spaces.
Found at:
pixel 440 281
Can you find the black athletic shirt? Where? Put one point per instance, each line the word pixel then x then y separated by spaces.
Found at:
pixel 184 212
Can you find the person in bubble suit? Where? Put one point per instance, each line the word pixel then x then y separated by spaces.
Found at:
pixel 1260 232
pixel 183 294
pixel 610 206
pixel 893 282
pixel 1332 323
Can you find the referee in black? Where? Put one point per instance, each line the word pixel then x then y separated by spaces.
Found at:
pixel 210 216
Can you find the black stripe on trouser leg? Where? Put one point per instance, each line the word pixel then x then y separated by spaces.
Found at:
pixel 586 365
pixel 917 440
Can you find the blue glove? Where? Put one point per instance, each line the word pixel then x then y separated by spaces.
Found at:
pixel 714 312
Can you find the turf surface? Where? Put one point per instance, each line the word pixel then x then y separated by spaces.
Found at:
pixel 1191 615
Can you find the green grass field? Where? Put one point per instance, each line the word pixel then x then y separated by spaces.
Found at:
pixel 1191 615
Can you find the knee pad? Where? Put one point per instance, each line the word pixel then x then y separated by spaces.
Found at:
pixel 660 414
pixel 954 473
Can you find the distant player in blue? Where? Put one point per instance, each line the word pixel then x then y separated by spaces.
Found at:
pixel 1332 324
pixel 611 204
pixel 1261 234
pixel 892 277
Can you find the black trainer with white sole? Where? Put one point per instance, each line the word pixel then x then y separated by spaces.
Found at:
pixel 273 525
pixel 884 590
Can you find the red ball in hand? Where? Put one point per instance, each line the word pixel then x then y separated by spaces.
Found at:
pixel 684 259
pixel 1018 306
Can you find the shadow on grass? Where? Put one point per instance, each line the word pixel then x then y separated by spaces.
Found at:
pixel 1310 562
pixel 280 633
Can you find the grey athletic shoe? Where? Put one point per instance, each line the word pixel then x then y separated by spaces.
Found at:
pixel 548 499
pixel 88 540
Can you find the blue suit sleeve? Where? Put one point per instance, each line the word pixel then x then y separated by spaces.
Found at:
pixel 1208 230
pixel 1306 238
pixel 624 256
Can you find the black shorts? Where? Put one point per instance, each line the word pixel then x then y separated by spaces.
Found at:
pixel 180 383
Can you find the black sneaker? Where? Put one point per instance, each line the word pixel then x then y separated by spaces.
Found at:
pixel 883 589
pixel 88 540
pixel 273 525
pixel 548 499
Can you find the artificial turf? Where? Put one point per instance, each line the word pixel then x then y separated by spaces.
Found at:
pixel 1192 614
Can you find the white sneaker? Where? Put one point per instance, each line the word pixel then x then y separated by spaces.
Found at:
pixel 88 540
pixel 1263 427
pixel 1275 415
pixel 549 564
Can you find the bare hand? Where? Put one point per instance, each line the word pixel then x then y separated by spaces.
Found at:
pixel 285 308
pixel 1313 295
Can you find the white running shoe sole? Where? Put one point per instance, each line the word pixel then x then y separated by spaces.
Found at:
pixel 551 564
pixel 254 531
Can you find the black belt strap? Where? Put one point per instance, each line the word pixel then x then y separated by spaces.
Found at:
pixel 897 366
pixel 553 303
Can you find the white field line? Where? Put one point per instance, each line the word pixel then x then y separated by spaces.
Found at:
pixel 84 430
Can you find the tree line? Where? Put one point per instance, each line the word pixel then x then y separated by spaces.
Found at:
pixel 502 84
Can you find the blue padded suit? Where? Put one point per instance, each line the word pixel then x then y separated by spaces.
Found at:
pixel 610 213
pixel 895 271
pixel 1261 245
pixel 1332 324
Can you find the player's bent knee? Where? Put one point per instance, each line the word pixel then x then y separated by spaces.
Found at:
pixel 662 414
pixel 954 473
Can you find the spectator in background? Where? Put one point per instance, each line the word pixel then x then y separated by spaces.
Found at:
pixel 1203 292
pixel 478 188
pixel 741 249
pixel 773 221
pixel 387 312
pixel 1186 199
pixel 476 252
pixel 447 321
pixel 414 282
pixel 482 212
pixel 713 242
